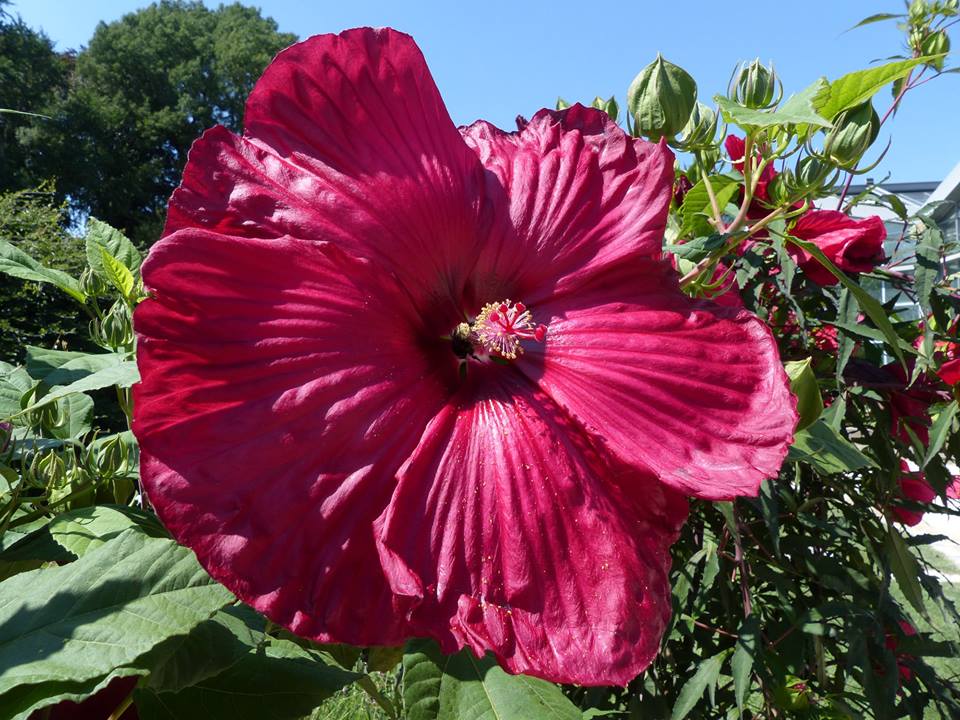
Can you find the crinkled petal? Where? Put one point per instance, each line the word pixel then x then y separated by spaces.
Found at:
pixel 346 140
pixel 505 527
pixel 691 390
pixel 581 195
pixel 282 388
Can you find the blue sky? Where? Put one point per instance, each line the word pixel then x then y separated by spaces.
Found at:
pixel 495 59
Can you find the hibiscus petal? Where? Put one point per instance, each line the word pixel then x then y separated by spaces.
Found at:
pixel 346 140
pixel 505 528
pixel 582 195
pixel 282 388
pixel 691 390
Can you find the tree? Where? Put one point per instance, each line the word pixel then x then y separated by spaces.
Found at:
pixel 143 90
pixel 32 76
pixel 35 314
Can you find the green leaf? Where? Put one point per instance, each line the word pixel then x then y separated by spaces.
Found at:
pixel 80 621
pixel 58 367
pixel 77 413
pixel 211 647
pixel 123 374
pixel 827 450
pixel 101 236
pixel 869 304
pixel 71 534
pixel 13 385
pixel 41 361
pixel 384 659
pixel 278 680
pixel 905 569
pixel 875 18
pixel 438 687
pixel 803 384
pixel 743 658
pixel 27 702
pixel 696 204
pixel 705 677
pixel 797 110
pixel 115 271
pixel 698 248
pixel 854 88
pixel 804 102
pixel 940 430
pixel 16 263
pixel 927 267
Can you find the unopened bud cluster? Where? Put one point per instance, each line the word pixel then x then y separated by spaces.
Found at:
pixel 661 99
pixel 756 87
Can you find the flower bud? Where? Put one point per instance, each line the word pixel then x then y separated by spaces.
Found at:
pixel 782 188
pixel 814 177
pixel 701 128
pixel 49 417
pixel 660 99
pixel 562 104
pixel 109 458
pixel 918 10
pixel 609 106
pixel 936 43
pixel 92 284
pixel 117 326
pixel 852 134
pixel 756 86
pixel 50 470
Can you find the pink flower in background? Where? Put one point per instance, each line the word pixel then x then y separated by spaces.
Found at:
pixel 914 487
pixel 852 245
pixel 949 372
pixel 910 403
pixel 903 659
pixel 401 379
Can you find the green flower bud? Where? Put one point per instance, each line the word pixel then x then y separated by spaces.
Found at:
pixel 109 458
pixel 660 99
pixel 782 188
pixel 610 106
pixel 92 284
pixel 814 177
pixel 918 10
pixel 936 43
pixel 117 326
pixel 48 417
pixel 50 471
pixel 756 86
pixel 852 134
pixel 562 104
pixel 701 129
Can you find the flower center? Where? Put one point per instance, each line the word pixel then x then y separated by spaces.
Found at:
pixel 497 331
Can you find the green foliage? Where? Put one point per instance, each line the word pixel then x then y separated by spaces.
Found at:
pixel 438 687
pixel 34 313
pixel 32 76
pixel 143 89
pixel 793 604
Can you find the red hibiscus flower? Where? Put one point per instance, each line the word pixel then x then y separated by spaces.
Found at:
pixel 949 372
pixel 910 404
pixel 913 487
pixel 852 245
pixel 903 659
pixel 401 379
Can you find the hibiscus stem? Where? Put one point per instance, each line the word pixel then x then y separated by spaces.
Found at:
pixel 717 220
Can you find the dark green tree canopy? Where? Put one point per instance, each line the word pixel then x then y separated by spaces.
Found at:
pixel 143 90
pixel 32 76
